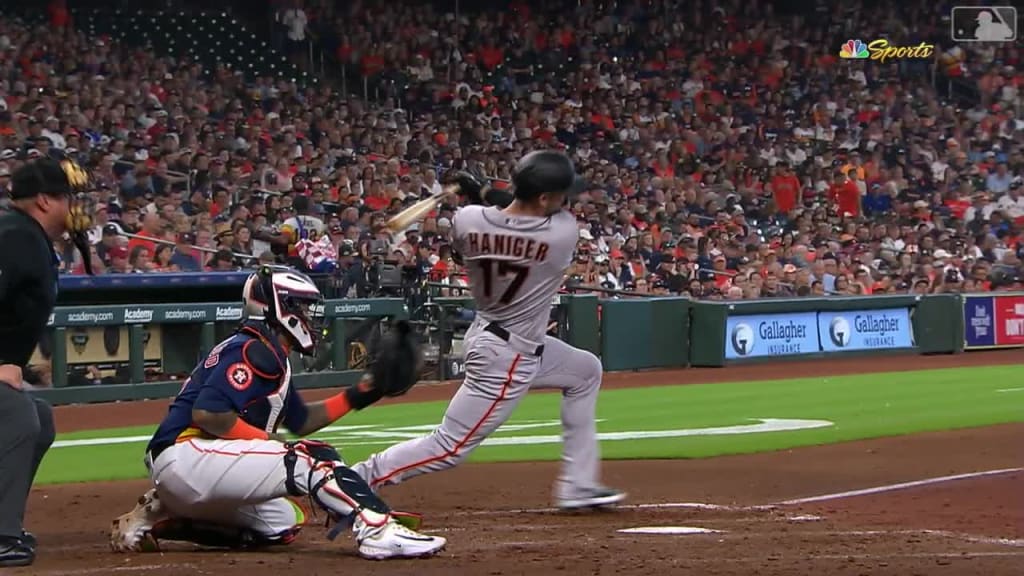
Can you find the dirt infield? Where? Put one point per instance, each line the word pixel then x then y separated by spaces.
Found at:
pixel 497 523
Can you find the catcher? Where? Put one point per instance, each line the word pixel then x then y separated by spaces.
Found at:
pixel 224 477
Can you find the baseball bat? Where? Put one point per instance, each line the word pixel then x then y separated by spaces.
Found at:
pixel 193 246
pixel 419 210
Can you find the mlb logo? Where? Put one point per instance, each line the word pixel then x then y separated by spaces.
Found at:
pixel 984 24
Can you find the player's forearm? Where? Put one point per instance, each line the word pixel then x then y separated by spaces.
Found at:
pixel 227 425
pixel 321 414
pixel 317 417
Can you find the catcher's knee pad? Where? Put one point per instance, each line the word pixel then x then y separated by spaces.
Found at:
pixel 331 485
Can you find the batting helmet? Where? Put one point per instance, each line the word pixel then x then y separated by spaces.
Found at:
pixel 544 171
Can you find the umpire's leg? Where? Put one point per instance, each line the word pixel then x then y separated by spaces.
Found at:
pixel 47 433
pixel 22 445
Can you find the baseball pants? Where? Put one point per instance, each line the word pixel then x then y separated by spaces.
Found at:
pixel 26 433
pixel 498 376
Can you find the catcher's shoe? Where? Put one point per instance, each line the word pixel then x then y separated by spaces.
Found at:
pixel 393 540
pixel 133 532
pixel 592 498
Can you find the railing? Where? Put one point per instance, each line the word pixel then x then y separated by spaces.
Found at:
pixel 177 176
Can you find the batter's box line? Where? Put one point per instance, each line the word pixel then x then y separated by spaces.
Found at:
pixel 648 506
pixel 941 534
pixel 732 559
pixel 899 486
pixel 1015 542
pixel 766 507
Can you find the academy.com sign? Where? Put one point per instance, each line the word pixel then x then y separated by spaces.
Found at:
pixel 185 315
pixel 794 334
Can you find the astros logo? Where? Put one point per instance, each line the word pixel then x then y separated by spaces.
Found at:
pixel 854 49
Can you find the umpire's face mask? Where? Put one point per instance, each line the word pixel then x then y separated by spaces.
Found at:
pixel 78 222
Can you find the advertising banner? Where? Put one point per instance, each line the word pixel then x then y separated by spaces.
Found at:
pixel 203 312
pixel 979 322
pixel 1009 314
pixel 865 330
pixel 765 335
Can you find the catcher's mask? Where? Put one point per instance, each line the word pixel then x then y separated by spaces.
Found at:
pixel 289 302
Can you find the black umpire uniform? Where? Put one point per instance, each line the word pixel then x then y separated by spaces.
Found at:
pixel 28 292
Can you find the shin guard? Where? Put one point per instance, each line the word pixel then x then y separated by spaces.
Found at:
pixel 316 470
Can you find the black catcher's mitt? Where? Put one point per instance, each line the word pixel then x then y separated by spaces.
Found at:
pixel 396 363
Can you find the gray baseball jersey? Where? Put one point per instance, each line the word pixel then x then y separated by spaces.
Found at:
pixel 515 264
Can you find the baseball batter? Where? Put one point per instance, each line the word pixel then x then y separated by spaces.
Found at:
pixel 516 258
pixel 224 477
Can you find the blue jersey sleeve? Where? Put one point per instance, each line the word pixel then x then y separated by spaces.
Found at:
pixel 236 376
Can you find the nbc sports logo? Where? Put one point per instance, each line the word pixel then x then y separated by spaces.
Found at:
pixel 839 332
pixel 854 49
pixel 742 339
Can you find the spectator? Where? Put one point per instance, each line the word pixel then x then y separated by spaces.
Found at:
pixel 687 156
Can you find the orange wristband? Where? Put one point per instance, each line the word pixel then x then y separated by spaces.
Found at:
pixel 337 406
pixel 242 430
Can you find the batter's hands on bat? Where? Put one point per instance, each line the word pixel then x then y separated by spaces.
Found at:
pixel 10 374
pixel 470 186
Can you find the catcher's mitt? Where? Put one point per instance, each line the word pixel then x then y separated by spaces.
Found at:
pixel 396 361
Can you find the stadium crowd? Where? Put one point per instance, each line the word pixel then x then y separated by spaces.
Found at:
pixel 729 152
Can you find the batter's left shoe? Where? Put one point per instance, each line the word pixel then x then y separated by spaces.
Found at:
pixel 133 532
pixel 592 498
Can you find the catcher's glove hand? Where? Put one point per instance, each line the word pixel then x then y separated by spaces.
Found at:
pixel 396 362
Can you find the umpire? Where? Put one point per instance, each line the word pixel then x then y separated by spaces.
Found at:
pixel 40 206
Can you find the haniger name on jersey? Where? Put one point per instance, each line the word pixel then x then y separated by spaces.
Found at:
pixel 487 244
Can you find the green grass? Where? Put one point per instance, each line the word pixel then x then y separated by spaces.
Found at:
pixel 865 406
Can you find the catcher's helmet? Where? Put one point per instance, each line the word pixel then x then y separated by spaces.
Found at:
pixel 544 172
pixel 287 300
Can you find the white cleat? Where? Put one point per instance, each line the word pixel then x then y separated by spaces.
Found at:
pixel 593 498
pixel 132 532
pixel 392 540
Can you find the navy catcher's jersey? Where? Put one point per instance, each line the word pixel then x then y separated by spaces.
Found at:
pixel 248 374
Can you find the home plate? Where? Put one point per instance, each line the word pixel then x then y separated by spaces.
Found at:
pixel 676 530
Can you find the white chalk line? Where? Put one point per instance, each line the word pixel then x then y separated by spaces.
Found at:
pixel 762 507
pixel 1010 390
pixel 1016 542
pixel 726 558
pixel 900 486
pixel 649 506
pixel 943 534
